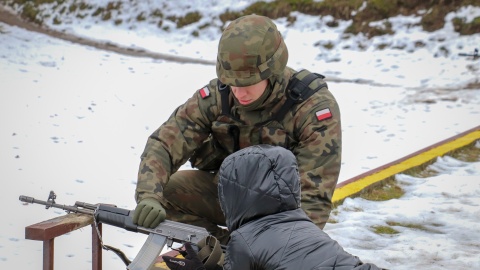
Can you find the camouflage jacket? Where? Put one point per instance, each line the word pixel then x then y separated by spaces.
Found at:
pixel 199 131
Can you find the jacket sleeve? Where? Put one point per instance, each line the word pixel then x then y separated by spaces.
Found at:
pixel 318 153
pixel 172 144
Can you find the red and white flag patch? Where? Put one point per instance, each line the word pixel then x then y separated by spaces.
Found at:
pixel 323 114
pixel 204 92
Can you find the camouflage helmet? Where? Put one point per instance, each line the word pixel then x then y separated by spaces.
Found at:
pixel 250 50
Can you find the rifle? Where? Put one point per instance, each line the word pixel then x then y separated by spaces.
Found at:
pixel 167 232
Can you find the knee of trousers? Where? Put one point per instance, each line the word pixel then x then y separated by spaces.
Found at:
pixel 189 186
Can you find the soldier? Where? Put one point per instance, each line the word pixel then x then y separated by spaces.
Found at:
pixel 256 99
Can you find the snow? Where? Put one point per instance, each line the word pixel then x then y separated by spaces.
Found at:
pixel 75 120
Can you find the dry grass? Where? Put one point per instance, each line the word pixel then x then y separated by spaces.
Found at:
pixel 432 12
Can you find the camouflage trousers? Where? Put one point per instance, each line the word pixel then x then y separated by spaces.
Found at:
pixel 191 196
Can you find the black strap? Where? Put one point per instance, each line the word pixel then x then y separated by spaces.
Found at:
pixel 297 92
pixel 234 131
pixel 297 87
pixel 224 93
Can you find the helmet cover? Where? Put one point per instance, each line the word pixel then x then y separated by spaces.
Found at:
pixel 250 50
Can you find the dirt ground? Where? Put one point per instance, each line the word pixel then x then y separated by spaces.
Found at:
pixel 15 20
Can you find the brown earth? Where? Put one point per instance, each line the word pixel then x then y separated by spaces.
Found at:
pixel 14 20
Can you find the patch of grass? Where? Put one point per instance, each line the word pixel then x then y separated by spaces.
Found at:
pixel 406 225
pixel 464 28
pixel 157 13
pixel 57 20
pixel 98 11
pixel 62 10
pixel 114 6
pixel 370 30
pixel 422 171
pixel 382 46
pixel 203 26
pixel 339 9
pixel 189 18
pixel 383 9
pixel 325 44
pixel 383 192
pixel 72 8
pixel 362 13
pixel 470 153
pixel 275 9
pixel 415 226
pixel 84 6
pixel 329 45
pixel 141 17
pixel 389 230
pixel 332 24
pixel 433 19
pixel 30 12
pixel 419 44
pixel 384 230
pixel 35 2
pixel 107 15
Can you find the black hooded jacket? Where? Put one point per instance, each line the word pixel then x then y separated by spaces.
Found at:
pixel 259 192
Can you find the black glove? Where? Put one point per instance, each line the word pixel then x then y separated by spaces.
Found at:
pixel 191 261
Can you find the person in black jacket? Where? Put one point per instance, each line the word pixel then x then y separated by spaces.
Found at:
pixel 259 193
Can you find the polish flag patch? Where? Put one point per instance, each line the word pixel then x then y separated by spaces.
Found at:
pixel 204 92
pixel 323 114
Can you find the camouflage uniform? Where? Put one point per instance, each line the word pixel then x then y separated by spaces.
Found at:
pixel 200 132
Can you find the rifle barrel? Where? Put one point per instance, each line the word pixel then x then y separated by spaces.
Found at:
pixel 67 208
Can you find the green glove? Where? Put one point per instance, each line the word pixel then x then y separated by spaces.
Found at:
pixel 149 213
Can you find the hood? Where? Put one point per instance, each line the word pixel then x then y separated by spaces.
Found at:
pixel 258 181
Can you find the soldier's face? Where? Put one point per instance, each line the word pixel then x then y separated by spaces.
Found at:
pixel 248 94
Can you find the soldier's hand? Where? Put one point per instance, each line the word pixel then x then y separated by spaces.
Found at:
pixel 191 261
pixel 149 213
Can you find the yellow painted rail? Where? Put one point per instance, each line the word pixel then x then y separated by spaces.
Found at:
pixel 355 185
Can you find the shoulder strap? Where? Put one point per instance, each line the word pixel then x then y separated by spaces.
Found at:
pixel 224 92
pixel 298 90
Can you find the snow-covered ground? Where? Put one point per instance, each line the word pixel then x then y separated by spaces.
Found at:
pixel 75 120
